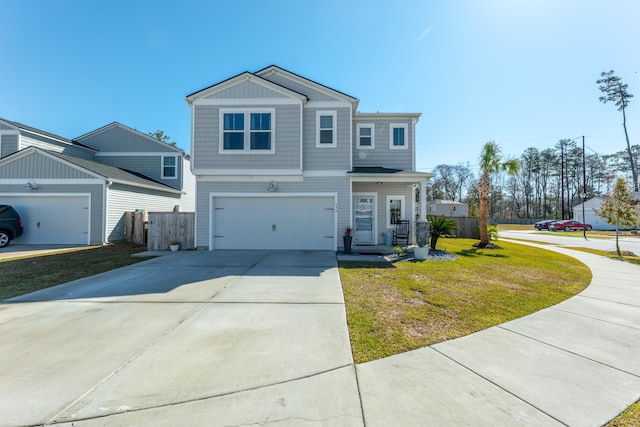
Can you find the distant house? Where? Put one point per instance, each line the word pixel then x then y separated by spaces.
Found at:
pixel 77 191
pixel 447 208
pixel 591 209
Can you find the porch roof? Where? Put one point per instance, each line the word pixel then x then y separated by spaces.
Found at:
pixel 382 174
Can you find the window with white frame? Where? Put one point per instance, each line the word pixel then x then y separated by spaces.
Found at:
pixel 246 131
pixel 398 134
pixel 366 135
pixel 326 128
pixel 169 167
pixel 395 209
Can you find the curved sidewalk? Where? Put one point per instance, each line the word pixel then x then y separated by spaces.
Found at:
pixel 575 364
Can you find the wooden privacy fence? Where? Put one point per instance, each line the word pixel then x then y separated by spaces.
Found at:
pixel 168 227
pixel 468 227
pixel 135 227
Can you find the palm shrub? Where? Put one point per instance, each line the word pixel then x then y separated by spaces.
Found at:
pixel 441 227
pixel 493 232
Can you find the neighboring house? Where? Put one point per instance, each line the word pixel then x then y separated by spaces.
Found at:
pixel 447 208
pixel 591 209
pixel 76 191
pixel 283 162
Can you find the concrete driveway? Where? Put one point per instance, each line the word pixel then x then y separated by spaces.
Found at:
pixel 216 338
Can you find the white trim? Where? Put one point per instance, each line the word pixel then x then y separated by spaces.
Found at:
pixel 250 178
pixel 79 195
pixel 105 200
pixel 247 130
pixel 301 137
pixel 334 129
pixel 247 101
pixel 246 172
pixel 136 154
pixel 388 212
pixel 72 181
pixel 404 126
pixel 373 195
pixel 386 116
pixel 371 126
pixel 324 173
pixel 175 166
pixel 213 195
pixel 327 104
pixel 158 187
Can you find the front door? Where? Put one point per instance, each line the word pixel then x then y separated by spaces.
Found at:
pixel 363 220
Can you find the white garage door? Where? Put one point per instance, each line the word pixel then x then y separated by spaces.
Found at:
pixel 273 223
pixel 52 219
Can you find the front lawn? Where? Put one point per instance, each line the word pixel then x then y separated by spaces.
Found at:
pixel 401 306
pixel 25 275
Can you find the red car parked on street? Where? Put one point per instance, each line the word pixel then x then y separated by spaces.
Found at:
pixel 569 225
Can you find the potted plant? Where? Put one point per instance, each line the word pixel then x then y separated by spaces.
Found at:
pixel 347 239
pixel 421 252
pixel 174 245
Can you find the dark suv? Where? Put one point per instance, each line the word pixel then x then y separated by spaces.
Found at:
pixel 10 225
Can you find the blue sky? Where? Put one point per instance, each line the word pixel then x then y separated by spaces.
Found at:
pixel 521 72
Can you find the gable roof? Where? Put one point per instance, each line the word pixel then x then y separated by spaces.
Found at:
pixel 241 78
pixel 274 69
pixel 128 129
pixel 49 135
pixel 99 170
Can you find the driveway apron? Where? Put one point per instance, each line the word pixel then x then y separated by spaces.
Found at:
pixel 244 337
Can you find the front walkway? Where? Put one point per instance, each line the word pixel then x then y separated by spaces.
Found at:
pixel 573 364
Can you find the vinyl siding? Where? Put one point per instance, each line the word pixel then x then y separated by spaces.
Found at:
pixel 120 139
pixel 382 155
pixel 150 166
pixel 286 140
pixel 339 185
pixel 59 147
pixel 188 200
pixel 312 94
pixel 39 166
pixel 382 191
pixel 97 206
pixel 246 90
pixel 123 198
pixel 6 127
pixel 327 158
pixel 8 144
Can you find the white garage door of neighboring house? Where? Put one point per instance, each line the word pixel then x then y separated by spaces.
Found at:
pixel 50 219
pixel 301 222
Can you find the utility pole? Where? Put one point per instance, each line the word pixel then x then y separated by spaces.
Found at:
pixel 584 190
pixel 562 176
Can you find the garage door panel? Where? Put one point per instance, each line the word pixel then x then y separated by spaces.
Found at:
pixel 52 219
pixel 274 223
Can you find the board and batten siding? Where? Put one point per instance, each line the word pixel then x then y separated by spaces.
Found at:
pixel 120 139
pixel 38 166
pixel 96 199
pixel 382 155
pixel 285 140
pixel 8 144
pixel 59 147
pixel 123 198
pixel 339 185
pixel 327 158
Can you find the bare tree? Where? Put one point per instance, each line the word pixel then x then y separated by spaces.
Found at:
pixel 616 91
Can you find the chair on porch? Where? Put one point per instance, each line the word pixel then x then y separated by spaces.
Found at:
pixel 401 233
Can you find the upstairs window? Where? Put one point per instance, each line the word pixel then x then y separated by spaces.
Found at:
pixel 398 135
pixel 326 128
pixel 169 167
pixel 246 131
pixel 366 136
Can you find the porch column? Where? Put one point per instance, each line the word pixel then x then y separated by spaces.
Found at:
pixel 423 201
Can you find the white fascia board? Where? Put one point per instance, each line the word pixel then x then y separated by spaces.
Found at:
pixel 57 181
pixel 250 178
pixel 409 178
pixel 247 101
pixel 327 104
pixel 246 172
pixel 324 173
pixel 386 116
pixel 136 154
pixel 308 83
pixel 241 78
pixel 149 187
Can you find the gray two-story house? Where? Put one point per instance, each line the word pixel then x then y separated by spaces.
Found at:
pixel 283 162
pixel 76 191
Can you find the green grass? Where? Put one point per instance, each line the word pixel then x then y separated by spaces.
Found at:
pixel 629 418
pixel 28 274
pixel 626 256
pixel 393 308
